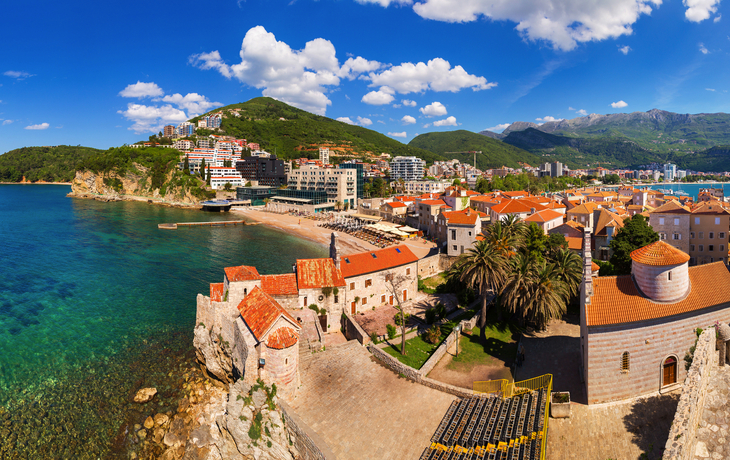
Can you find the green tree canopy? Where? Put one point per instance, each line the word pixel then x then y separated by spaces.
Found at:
pixel 636 233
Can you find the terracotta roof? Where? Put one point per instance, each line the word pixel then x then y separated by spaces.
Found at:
pixel 242 273
pixel 616 299
pixel 284 337
pixel 472 193
pixel 595 267
pixel 671 207
pixel 466 216
pixel 575 224
pixel 318 273
pixel 555 204
pixel 382 259
pixel 659 254
pixel 515 194
pixel 396 204
pixel 574 242
pixel 585 208
pixel 544 216
pixel 280 284
pixel 216 292
pixel 434 202
pixel 260 311
pixel 513 207
pixel 607 219
pixel 484 199
pixel 709 207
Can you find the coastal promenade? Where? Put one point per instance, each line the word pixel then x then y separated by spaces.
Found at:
pixel 308 229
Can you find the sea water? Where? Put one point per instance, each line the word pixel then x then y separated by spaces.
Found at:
pixel 692 189
pixel 96 301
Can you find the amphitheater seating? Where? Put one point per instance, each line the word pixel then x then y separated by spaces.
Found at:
pixel 490 427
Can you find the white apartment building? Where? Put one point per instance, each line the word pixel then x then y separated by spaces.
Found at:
pixel 340 184
pixel 419 187
pixel 324 155
pixel 407 168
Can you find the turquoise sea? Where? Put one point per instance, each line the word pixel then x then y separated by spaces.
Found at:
pixel 693 189
pixel 96 302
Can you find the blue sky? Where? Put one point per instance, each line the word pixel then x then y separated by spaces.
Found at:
pixel 102 74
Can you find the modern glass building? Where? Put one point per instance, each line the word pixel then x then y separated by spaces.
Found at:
pixel 359 176
pixel 258 194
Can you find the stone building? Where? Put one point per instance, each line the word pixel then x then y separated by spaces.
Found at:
pixel 636 329
pixel 458 230
pixel 672 222
pixel 320 283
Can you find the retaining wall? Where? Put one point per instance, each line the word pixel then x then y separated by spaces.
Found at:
pixel 353 330
pixel 680 443
pixel 309 444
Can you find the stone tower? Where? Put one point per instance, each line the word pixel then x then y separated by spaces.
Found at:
pixel 661 272
pixel 335 250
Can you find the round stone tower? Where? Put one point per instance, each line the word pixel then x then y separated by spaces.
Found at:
pixel 660 271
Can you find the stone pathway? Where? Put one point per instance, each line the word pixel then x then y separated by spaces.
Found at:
pixel 363 410
pixel 712 439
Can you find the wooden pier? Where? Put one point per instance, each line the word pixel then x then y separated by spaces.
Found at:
pixel 220 223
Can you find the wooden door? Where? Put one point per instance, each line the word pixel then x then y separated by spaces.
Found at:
pixel 405 295
pixel 391 300
pixel 353 308
pixel 670 371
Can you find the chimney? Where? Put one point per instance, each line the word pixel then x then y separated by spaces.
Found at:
pixel 532 210
pixel 335 250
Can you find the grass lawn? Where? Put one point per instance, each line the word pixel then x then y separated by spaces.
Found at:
pixel 432 283
pixel 499 348
pixel 418 350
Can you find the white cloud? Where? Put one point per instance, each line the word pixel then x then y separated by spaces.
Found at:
pixel 450 121
pixel 381 122
pixel 436 75
pixel 699 10
pixel 582 112
pixel 151 119
pixel 17 74
pixel 194 103
pixel 297 77
pixel 548 118
pixel 403 134
pixel 710 89
pixel 408 120
pixel 7 122
pixel 435 109
pixel 563 23
pixel 571 108
pixel 499 128
pixel 618 105
pixel 386 2
pixel 346 120
pixel 381 97
pixel 409 103
pixel 38 127
pixel 354 67
pixel 717 18
pixel 704 50
pixel 141 90
pixel 624 49
pixel 364 121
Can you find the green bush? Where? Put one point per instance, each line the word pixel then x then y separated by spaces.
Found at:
pixel 374 337
pixel 433 334
pixel 397 321
pixel 431 316
pixel 440 310
pixel 391 330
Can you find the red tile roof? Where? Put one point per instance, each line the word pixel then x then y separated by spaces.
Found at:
pixel 514 207
pixel 280 284
pixel 659 254
pixel 574 242
pixel 616 299
pixel 284 337
pixel 318 273
pixel 544 216
pixel 260 311
pixel 216 292
pixel 397 204
pixel 242 273
pixel 382 259
pixel 434 202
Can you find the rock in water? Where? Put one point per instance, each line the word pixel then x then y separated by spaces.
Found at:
pixel 161 419
pixel 144 395
pixel 149 423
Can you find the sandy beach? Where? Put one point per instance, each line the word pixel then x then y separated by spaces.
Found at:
pixel 308 229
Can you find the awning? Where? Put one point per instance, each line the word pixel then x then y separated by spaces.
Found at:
pixel 366 217
pixel 286 198
pixel 408 229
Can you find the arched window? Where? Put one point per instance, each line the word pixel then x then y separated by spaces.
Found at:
pixel 669 371
pixel 625 362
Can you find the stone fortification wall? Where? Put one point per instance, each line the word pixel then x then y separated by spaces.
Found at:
pixel 307 442
pixel 433 265
pixel 649 343
pixel 353 330
pixel 689 410
pixel 282 367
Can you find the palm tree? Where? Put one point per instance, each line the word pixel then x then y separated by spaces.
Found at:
pixel 502 240
pixel 515 293
pixel 514 227
pixel 482 268
pixel 547 296
pixel 569 269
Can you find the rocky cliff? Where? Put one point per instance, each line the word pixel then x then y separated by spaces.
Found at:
pixel 134 184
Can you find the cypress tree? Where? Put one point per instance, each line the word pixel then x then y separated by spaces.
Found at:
pixel 186 166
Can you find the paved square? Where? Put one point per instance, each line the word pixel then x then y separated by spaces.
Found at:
pixel 364 410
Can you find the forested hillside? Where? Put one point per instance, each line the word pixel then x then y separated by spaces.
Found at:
pixel 48 164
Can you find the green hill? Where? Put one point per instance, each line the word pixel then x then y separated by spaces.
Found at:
pixel 294 133
pixel 715 159
pixel 48 164
pixel 457 144
pixel 578 152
